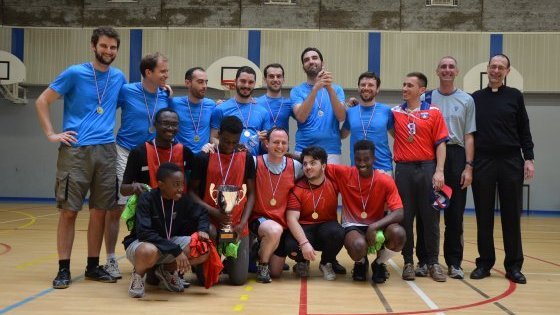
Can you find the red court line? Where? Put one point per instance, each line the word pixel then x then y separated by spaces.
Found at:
pixel 535 258
pixel 303 297
pixel 511 288
pixel 7 248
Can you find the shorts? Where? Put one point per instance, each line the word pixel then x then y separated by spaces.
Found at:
pixel 182 241
pixel 254 228
pixel 82 169
pixel 122 158
pixel 362 229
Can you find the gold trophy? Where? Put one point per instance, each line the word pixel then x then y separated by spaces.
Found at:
pixel 227 197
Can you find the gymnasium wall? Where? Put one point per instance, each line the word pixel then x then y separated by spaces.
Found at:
pixel 28 161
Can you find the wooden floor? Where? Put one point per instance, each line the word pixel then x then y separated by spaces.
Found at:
pixel 28 263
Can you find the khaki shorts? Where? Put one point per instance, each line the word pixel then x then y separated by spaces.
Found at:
pixel 182 241
pixel 122 158
pixel 82 169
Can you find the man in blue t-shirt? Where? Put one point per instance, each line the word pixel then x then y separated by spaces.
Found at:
pixel 370 120
pixel 87 154
pixel 318 107
pixel 194 111
pixel 139 102
pixel 256 119
pixel 279 108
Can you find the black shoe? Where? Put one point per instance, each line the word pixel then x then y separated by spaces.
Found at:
pixel 359 273
pixel 516 276
pixel 151 278
pixel 99 274
pixel 198 270
pixel 379 272
pixel 480 273
pixel 286 267
pixel 62 280
pixel 338 268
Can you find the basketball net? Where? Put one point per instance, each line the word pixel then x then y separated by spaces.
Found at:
pixel 229 88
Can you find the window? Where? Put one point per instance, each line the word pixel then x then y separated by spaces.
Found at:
pixel 442 3
pixel 283 2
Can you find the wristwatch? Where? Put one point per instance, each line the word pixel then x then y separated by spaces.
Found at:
pixel 470 163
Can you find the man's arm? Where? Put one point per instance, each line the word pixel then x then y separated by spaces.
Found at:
pixel 438 178
pixel 337 106
pixel 292 218
pixel 214 136
pixel 344 133
pixel 395 216
pixel 466 175
pixel 302 110
pixel 42 105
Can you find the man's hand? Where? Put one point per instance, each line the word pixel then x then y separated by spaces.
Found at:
pixel 138 188
pixel 67 137
pixel 209 148
pixel 168 90
pixel 262 135
pixel 352 102
pixel 203 236
pixel 529 170
pixel 182 263
pixel 308 252
pixel 438 180
pixel 466 177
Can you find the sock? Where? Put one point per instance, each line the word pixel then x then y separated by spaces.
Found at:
pixel 384 255
pixel 111 256
pixel 92 263
pixel 64 264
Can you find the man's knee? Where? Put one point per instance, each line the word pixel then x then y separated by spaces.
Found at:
pixel 68 215
pixel 395 237
pixel 356 246
pixel 146 253
pixel 271 230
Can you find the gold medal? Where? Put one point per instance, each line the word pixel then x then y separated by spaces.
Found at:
pixel 410 138
pixel 320 113
pixel 196 138
pixel 247 133
pixel 273 202
pixel 99 110
pixel 152 129
pixel 315 215
pixel 363 215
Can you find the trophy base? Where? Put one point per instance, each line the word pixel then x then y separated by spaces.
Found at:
pixel 227 237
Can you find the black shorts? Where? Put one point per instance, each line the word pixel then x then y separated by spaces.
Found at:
pixel 362 229
pixel 254 228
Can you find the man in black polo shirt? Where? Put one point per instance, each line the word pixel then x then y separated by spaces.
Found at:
pixel 503 157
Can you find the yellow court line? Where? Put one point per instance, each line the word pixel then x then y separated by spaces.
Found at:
pixel 244 297
pixel 36 261
pixel 30 223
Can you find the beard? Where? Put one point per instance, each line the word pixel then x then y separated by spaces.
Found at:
pixel 240 92
pixel 312 72
pixel 99 58
pixel 369 99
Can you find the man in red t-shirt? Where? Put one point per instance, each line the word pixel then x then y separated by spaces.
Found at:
pixel 275 178
pixel 420 137
pixel 227 166
pixel 312 217
pixel 364 195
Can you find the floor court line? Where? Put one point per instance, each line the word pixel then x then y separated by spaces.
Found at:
pixel 532 257
pixel 28 218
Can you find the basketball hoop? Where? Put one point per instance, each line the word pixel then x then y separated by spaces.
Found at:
pixel 229 85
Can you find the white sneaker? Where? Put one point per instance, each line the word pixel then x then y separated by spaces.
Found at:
pixel 169 281
pixel 455 272
pixel 136 288
pixel 112 268
pixel 328 272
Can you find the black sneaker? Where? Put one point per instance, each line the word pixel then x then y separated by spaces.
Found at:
pixel 359 273
pixel 338 268
pixel 62 280
pixel 99 274
pixel 379 272
pixel 151 278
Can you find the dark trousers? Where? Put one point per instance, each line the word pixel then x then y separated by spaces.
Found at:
pixel 414 182
pixel 453 216
pixel 327 237
pixel 507 172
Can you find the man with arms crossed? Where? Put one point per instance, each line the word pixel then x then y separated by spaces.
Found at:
pixel 364 195
pixel 87 154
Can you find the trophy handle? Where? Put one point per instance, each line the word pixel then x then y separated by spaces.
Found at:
pixel 244 193
pixel 212 191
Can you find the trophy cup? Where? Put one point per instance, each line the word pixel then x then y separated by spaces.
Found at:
pixel 227 197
